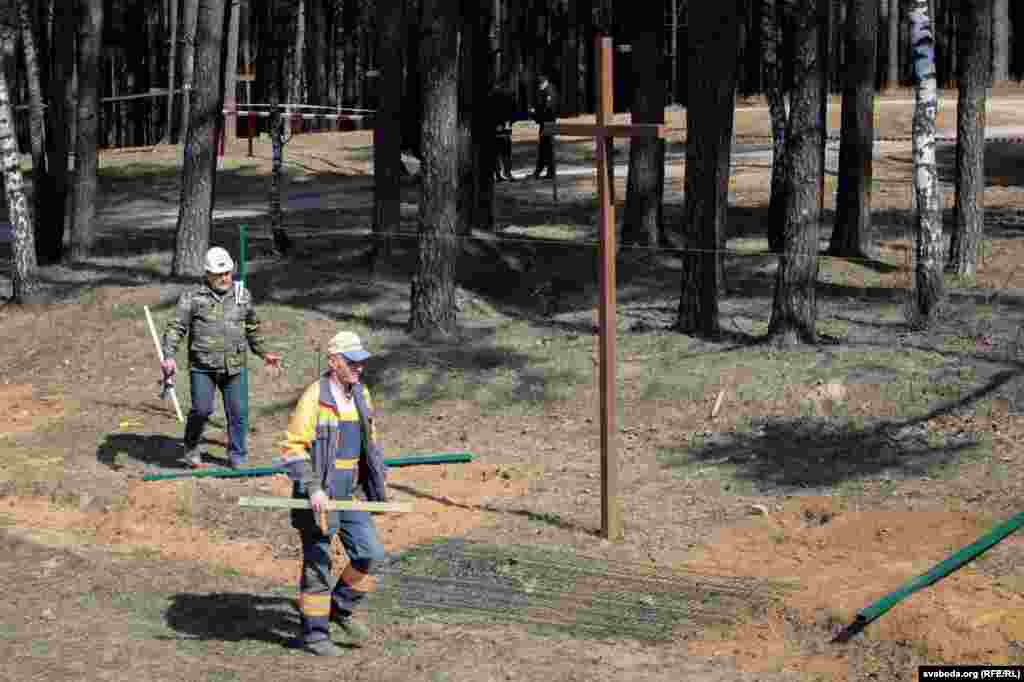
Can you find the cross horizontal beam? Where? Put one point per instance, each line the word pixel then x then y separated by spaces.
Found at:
pixel 606 130
pixel 333 505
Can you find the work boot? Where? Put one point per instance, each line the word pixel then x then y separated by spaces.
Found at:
pixel 324 647
pixel 354 630
pixel 194 458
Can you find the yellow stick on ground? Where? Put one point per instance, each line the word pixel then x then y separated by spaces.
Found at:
pixel 160 354
pixel 718 404
pixel 333 505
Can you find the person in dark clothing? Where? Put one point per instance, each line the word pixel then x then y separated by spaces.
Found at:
pixel 503 111
pixel 545 112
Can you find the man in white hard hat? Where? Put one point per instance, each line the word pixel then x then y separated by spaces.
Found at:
pixel 219 320
pixel 330 451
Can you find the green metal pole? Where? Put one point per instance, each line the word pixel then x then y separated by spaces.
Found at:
pixel 248 472
pixel 937 573
pixel 243 248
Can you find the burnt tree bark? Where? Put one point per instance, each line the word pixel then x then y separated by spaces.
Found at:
pixel 189 18
pixel 794 306
pixel 773 16
pixel 969 209
pixel 387 129
pixel 709 115
pixel 90 44
pixel 645 182
pixel 58 125
pixel 199 169
pixel 172 65
pixel 1001 41
pixel 853 197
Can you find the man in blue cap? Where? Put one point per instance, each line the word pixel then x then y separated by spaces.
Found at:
pixel 331 451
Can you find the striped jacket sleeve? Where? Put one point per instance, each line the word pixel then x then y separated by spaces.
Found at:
pixel 296 449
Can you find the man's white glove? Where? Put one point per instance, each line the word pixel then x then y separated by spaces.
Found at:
pixel 318 501
pixel 239 289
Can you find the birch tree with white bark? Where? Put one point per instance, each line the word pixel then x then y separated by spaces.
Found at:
pixel 927 285
pixel 25 282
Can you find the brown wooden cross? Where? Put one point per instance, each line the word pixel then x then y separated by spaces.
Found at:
pixel 603 131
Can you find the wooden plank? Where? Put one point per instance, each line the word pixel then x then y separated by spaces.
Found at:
pixel 606 130
pixel 333 505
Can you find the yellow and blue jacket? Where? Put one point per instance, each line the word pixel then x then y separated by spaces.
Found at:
pixel 333 448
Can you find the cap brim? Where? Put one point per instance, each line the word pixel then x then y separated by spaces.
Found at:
pixel 356 355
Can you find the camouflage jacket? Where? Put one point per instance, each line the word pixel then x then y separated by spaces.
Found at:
pixel 218 327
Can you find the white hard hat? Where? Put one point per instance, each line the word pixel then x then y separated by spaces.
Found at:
pixel 218 261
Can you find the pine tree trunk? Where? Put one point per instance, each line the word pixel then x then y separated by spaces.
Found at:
pixel 57 132
pixel 853 198
pixel 893 76
pixel 317 53
pixel 189 18
pixel 969 212
pixel 794 308
pixel 476 134
pixel 90 43
pixel 433 310
pixel 200 165
pixel 709 115
pixel 172 65
pixel 645 182
pixel 350 17
pixel 570 52
pixel 412 102
pixel 928 283
pixel 231 69
pixel 297 80
pixel 45 231
pixel 1001 41
pixel 25 278
pixel 772 16
pixel 387 129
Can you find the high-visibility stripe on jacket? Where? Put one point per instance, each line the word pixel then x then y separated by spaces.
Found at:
pixel 323 437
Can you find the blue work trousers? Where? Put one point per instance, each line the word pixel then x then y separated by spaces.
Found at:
pixel 203 387
pixel 320 596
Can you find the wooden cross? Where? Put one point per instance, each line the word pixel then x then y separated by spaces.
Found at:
pixel 603 131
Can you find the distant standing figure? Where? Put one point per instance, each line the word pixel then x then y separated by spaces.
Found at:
pixel 219 321
pixel 545 112
pixel 503 112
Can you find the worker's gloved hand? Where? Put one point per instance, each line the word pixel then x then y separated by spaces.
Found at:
pixel 318 501
pixel 169 367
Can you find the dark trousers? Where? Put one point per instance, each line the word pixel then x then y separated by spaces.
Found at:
pixel 503 155
pixel 203 387
pixel 545 155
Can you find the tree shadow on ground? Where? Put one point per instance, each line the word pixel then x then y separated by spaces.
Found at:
pixel 236 617
pixel 554 520
pixel 794 453
pixel 1004 163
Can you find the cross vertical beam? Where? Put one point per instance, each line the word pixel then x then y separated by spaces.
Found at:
pixel 603 131
pixel 611 512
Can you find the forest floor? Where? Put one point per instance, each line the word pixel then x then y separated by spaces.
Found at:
pixel 828 476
